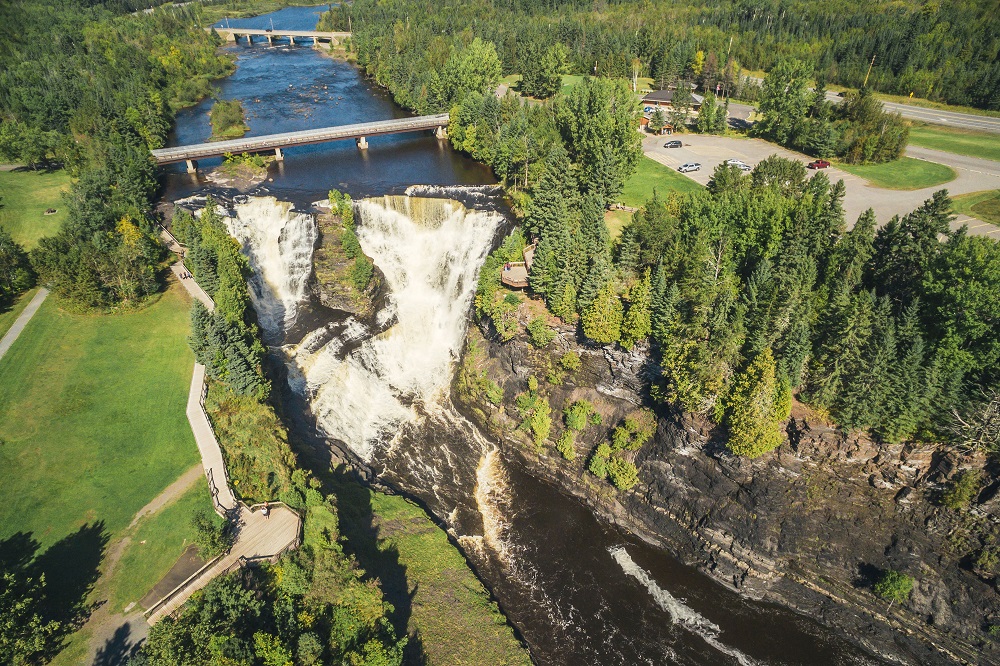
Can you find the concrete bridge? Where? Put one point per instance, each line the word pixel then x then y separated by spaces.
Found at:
pixel 302 36
pixel 277 142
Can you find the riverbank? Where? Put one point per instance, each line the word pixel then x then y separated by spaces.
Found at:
pixel 807 527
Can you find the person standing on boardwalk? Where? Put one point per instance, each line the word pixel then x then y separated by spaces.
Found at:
pixel 266 511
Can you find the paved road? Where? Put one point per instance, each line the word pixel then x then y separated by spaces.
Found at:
pixel 22 321
pixel 974 174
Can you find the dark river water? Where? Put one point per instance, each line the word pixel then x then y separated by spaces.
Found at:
pixel 579 591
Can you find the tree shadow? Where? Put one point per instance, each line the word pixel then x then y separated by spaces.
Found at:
pixel 70 568
pixel 867 576
pixel 358 524
pixel 118 649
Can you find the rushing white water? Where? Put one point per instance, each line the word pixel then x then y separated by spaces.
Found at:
pixel 279 244
pixel 680 614
pixel 491 495
pixel 429 251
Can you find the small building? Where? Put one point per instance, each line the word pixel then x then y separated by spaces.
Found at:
pixel 514 274
pixel 668 128
pixel 665 98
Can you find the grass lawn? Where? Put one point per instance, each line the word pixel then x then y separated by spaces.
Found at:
pixel 905 173
pixel 92 419
pixel 8 317
pixel 974 144
pixel 427 580
pixel 983 206
pixel 652 175
pixel 157 542
pixel 24 197
pixel 616 219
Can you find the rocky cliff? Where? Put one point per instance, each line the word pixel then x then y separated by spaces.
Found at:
pixel 809 525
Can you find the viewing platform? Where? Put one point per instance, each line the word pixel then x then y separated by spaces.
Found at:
pixel 277 142
pixel 293 36
pixel 514 274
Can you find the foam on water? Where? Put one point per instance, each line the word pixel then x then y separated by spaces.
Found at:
pixel 681 615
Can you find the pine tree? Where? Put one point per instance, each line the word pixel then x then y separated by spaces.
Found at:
pixel 637 324
pixel 201 324
pixel 598 276
pixel 602 321
pixel 868 382
pixel 706 114
pixel 842 337
pixel 907 405
pixel 755 406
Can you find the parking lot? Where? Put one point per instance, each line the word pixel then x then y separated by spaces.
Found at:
pixel 974 175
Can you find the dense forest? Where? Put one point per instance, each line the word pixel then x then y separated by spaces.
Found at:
pixel 750 292
pixel 92 90
pixel 944 51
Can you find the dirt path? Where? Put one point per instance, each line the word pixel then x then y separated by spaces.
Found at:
pixel 22 321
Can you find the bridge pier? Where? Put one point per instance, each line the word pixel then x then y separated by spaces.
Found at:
pixel 270 40
pixel 440 133
pixel 362 143
pixel 278 155
pixel 192 166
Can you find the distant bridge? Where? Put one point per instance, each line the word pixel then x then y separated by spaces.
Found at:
pixel 316 37
pixel 276 142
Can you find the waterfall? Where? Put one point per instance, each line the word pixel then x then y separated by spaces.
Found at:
pixel 279 244
pixel 429 251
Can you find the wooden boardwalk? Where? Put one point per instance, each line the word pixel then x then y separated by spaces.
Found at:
pixel 258 538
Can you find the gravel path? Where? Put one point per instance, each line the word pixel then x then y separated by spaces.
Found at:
pixel 22 321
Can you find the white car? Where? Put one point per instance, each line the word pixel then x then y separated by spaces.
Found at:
pixel 689 166
pixel 736 163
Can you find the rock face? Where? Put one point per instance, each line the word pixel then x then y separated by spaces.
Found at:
pixel 810 525
pixel 332 272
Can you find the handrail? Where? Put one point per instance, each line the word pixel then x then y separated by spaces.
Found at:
pixel 172 593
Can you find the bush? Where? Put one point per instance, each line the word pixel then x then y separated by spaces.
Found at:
pixel 540 334
pixel 637 429
pixel 565 445
pixel 361 272
pixel 212 536
pixel 570 361
pixel 623 473
pixel 578 415
pixel 894 586
pixel 962 490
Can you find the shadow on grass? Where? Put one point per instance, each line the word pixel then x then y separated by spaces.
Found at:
pixel 70 568
pixel 118 649
pixel 359 526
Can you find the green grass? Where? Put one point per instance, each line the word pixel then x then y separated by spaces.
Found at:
pixel 157 543
pixel 616 220
pixel 24 197
pixel 973 144
pixel 905 173
pixel 652 175
pixel 92 417
pixel 983 206
pixel 8 317
pixel 426 577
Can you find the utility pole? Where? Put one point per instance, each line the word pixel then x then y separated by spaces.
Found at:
pixel 870 65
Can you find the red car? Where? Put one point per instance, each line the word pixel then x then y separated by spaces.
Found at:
pixel 818 164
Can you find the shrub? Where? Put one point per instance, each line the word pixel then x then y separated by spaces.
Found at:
pixel 637 429
pixel 539 333
pixel 212 536
pixel 361 273
pixel 570 361
pixel 565 445
pixel 578 415
pixel 894 586
pixel 962 490
pixel 494 393
pixel 623 473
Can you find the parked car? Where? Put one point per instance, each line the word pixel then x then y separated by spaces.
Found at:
pixel 673 144
pixel 745 168
pixel 818 164
pixel 735 162
pixel 689 166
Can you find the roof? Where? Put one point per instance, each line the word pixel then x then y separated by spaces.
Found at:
pixel 667 96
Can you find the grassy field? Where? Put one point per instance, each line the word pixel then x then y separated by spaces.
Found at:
pixel 156 544
pixel 92 418
pixel 447 612
pixel 983 206
pixel 651 175
pixel 903 174
pixel 7 317
pixel 974 144
pixel 24 197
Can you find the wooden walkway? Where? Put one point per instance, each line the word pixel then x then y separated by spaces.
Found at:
pixel 258 539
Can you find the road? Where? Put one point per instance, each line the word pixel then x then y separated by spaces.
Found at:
pixel 973 175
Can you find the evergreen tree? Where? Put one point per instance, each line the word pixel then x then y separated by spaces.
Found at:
pixel 598 276
pixel 839 347
pixel 637 324
pixel 908 400
pixel 602 320
pixel 706 115
pixel 755 406
pixel 868 384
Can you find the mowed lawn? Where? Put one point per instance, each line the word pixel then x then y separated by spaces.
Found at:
pixel 974 144
pixel 905 173
pixel 24 198
pixel 10 315
pixel 651 175
pixel 983 206
pixel 92 417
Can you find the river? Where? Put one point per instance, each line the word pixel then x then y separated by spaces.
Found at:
pixel 579 591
